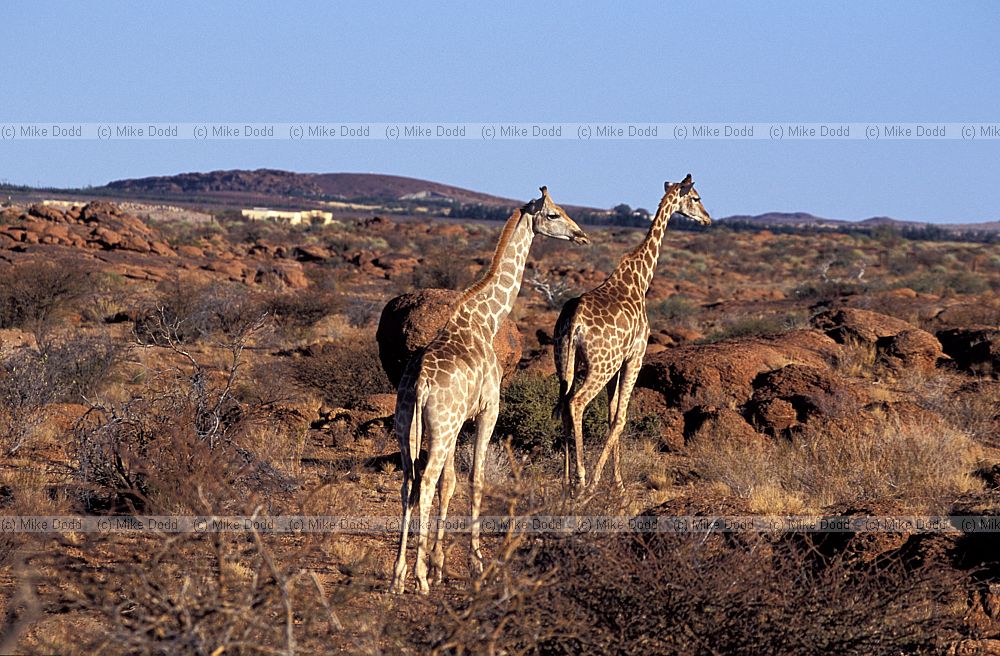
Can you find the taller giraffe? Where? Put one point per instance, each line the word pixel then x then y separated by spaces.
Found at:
pixel 457 378
pixel 602 335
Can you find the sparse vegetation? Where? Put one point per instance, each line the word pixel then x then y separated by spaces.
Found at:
pixel 239 373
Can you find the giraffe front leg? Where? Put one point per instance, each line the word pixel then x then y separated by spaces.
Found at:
pixel 485 424
pixel 447 489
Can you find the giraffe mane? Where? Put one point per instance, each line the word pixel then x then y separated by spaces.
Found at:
pixel 505 236
pixel 659 210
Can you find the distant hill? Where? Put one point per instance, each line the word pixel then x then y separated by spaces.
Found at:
pixel 806 220
pixel 374 192
pixel 319 186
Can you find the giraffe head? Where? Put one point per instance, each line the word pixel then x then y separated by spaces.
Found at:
pixel 688 201
pixel 550 220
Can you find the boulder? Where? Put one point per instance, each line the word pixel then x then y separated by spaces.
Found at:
pixel 47 213
pixel 715 423
pixel 409 323
pixel 798 394
pixel 851 324
pixel 912 349
pixel 722 374
pixel 310 253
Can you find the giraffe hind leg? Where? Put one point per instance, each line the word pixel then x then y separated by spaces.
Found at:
pixel 441 436
pixel 446 490
pixel 629 374
pixel 580 399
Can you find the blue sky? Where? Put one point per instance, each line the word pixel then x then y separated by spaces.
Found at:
pixel 513 61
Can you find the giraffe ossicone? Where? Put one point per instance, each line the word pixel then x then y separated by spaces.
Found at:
pixel 457 378
pixel 600 338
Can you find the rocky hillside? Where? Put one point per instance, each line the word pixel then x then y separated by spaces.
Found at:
pixel 340 186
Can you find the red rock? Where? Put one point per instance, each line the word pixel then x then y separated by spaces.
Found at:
pixel 811 393
pixel 190 251
pixel 648 403
pixel 232 270
pixel 47 213
pixel 681 334
pixel 289 274
pixel 722 374
pixel 106 238
pixel 721 423
pixel 12 339
pixel 310 253
pixel 852 324
pixel 161 248
pixel 910 349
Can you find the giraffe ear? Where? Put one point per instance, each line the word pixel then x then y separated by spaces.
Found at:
pixel 666 186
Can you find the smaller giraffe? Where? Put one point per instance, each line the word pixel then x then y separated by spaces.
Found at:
pixel 600 337
pixel 457 378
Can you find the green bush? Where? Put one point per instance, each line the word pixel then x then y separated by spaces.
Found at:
pixel 961 282
pixel 772 324
pixel 677 310
pixel 526 414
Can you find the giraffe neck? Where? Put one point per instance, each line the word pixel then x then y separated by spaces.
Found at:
pixel 643 259
pixel 488 302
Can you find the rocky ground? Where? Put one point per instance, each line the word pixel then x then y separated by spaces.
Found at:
pixel 173 367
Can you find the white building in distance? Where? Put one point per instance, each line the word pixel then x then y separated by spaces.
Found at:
pixel 292 217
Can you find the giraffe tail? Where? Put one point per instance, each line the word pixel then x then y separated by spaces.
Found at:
pixel 417 425
pixel 565 353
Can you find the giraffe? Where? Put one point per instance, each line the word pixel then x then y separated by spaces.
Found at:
pixel 602 336
pixel 457 378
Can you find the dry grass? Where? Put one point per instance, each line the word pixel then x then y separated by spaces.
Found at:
pixel 918 465
pixel 496 465
pixel 856 359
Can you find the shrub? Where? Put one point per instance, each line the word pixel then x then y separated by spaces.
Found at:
pixel 440 269
pixel 344 372
pixel 186 311
pixel 76 369
pixel 686 594
pixel 183 441
pixel 677 310
pixel 191 594
pixel 961 282
pixel 23 394
pixel 35 295
pixel 554 291
pixel 65 371
pixel 295 311
pixel 526 405
pixel 772 324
